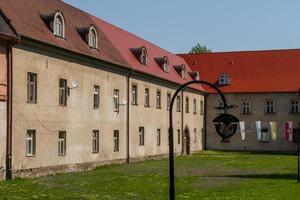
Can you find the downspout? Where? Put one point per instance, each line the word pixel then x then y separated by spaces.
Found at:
pixel 128 115
pixel 9 113
pixel 205 121
pixel 182 118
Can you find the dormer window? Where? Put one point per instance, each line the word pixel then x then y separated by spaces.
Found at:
pixel 163 62
pixel 141 54
pixel 92 37
pixel 59 25
pixel 195 75
pixel 181 70
pixel 224 79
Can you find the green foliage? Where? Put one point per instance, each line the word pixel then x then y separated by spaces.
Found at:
pixel 198 48
pixel 207 175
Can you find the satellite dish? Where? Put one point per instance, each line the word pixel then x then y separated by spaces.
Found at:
pixel 124 101
pixel 74 84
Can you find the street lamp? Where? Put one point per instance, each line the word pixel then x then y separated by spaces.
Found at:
pixel 226 126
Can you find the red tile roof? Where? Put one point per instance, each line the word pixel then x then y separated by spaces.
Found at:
pixel 114 43
pixel 250 71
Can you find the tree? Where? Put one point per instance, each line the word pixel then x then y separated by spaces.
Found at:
pixel 198 48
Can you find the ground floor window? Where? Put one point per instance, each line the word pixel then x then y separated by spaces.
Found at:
pixel 178 136
pixel 141 136
pixel 62 143
pixel 30 142
pixel 158 137
pixel 116 140
pixel 95 141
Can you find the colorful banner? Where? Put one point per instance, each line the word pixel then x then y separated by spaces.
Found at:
pixel 243 130
pixel 273 126
pixel 258 129
pixel 289 131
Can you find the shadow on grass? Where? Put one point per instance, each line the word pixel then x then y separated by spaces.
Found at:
pixel 291 176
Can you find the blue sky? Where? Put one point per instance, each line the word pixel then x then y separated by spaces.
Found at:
pixel 222 25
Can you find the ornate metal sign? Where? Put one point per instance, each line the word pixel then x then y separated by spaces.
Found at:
pixel 226 125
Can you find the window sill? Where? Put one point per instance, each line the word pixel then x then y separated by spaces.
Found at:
pixel 195 113
pixel 158 107
pixel 147 106
pixel 117 111
pixel 178 110
pixel 134 104
pixel 31 102
pixel 62 155
pixel 96 109
pixel 116 150
pixel 30 156
pixel 95 152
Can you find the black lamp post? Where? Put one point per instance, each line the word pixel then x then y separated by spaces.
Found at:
pixel 226 126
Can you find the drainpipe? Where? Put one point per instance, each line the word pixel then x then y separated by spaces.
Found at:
pixel 128 115
pixel 9 114
pixel 205 121
pixel 182 118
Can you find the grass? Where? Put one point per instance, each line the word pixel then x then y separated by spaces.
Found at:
pixel 208 175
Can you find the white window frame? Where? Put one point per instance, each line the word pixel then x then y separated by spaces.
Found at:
pixel 270 106
pixel 93 37
pixel 62 146
pixel 95 141
pixel 116 100
pixel 116 140
pixel 224 79
pixel 31 142
pixel 294 106
pixel 134 94
pixel 158 99
pixel 147 97
pixel 31 87
pixel 169 98
pixel 194 106
pixel 63 90
pixel 246 107
pixel 141 136
pixel 96 97
pixel 143 56
pixel 59 25
pixel 178 103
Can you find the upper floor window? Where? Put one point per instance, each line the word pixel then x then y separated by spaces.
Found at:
pixel 96 97
pixel 62 145
pixel 93 37
pixel 187 105
pixel 246 107
pixel 168 101
pixel 158 137
pixel 195 75
pixel 147 97
pixel 116 140
pixel 134 91
pixel 163 62
pixel 59 25
pixel 224 79
pixel 194 106
pixel 141 136
pixel 116 100
pixel 95 141
pixel 201 107
pixel 270 107
pixel 178 103
pixel 63 90
pixel 158 99
pixel 294 106
pixel 31 87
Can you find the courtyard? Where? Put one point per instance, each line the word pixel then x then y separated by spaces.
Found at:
pixel 205 175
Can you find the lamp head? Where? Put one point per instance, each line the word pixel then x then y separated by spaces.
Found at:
pixel 226 125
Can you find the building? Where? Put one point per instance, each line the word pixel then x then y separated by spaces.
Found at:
pixel 80 95
pixel 265 87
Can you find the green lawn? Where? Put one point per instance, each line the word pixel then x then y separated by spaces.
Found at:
pixel 207 175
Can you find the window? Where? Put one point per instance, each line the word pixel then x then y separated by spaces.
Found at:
pixel 270 107
pixel 63 92
pixel 224 79
pixel 178 103
pixel 294 106
pixel 194 106
pixel 187 104
pixel 178 136
pixel 95 141
pixel 158 137
pixel 93 37
pixel 58 28
pixel 195 135
pixel 62 143
pixel 201 107
pixel 147 97
pixel 158 99
pixel 134 94
pixel 116 100
pixel 141 136
pixel 168 101
pixel 165 64
pixel 31 87
pixel 116 140
pixel 246 107
pixel 183 72
pixel 96 97
pixel 143 56
pixel 30 142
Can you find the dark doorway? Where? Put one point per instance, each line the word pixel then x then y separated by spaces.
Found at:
pixel 186 141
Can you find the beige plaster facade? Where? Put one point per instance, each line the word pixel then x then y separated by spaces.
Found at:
pixel 258 101
pixel 79 118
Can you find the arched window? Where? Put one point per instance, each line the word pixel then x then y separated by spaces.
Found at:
pixel 59 25
pixel 224 79
pixel 93 37
pixel 143 56
pixel 183 72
